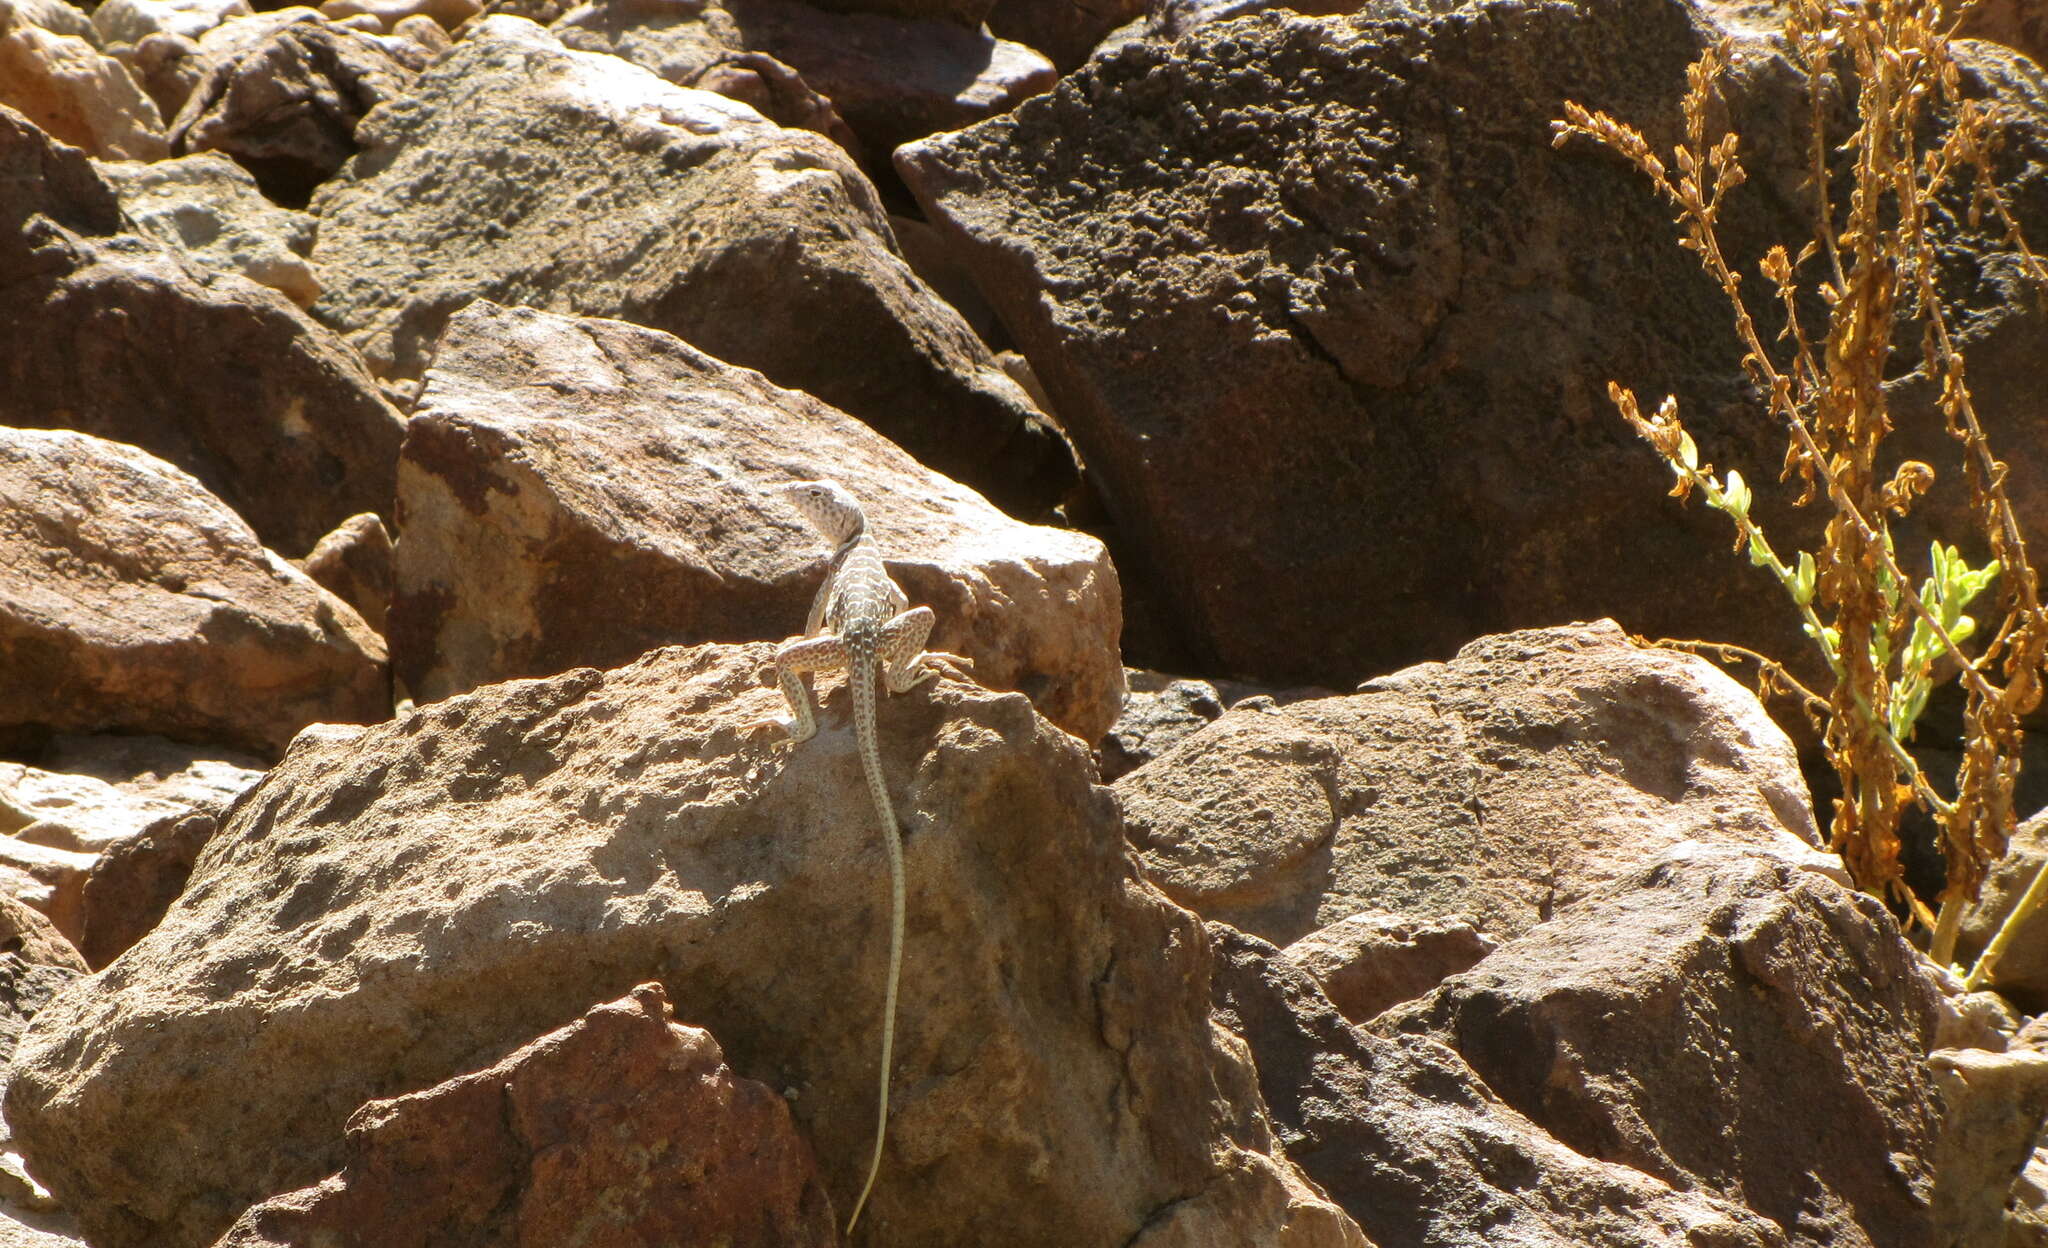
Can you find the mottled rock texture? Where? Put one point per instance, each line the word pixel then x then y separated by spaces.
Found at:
pixel 621 1130
pixel 354 563
pixel 575 491
pixel 397 906
pixel 134 601
pixel 209 208
pixel 67 86
pixel 1331 322
pixel 1704 1021
pixel 785 264
pixel 1495 788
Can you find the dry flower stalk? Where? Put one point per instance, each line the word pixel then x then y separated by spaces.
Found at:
pixel 1881 635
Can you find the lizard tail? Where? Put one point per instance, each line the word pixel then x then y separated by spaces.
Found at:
pixel 862 669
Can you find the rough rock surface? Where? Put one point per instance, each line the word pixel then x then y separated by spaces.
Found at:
pixel 1993 1105
pixel 166 67
pixel 117 337
pixel 1366 963
pixel 1163 710
pixel 1497 787
pixel 128 889
pixel 577 491
pixel 1708 1018
pixel 132 21
pixel 2022 972
pixel 621 1130
pixel 209 208
pixel 75 92
pixel 354 563
pixel 1343 251
pixel 395 906
pixel 1402 1134
pixel 448 14
pixel 134 601
pixel 786 264
pixel 285 102
pixel 1065 30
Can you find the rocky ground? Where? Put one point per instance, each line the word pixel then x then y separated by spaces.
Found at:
pixel 391 401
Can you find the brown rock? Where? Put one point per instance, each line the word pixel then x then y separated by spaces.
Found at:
pixel 1065 30
pixel 778 93
pixel 394 907
pixel 132 21
pixel 1365 963
pixel 578 491
pixel 208 208
pixel 26 934
pixel 354 564
pixel 138 602
pixel 1342 250
pixel 56 16
pixel 167 67
pixel 2021 972
pixel 1163 710
pixel 226 379
pixel 131 885
pixel 1513 780
pixel 78 94
pixel 1993 1105
pixel 620 1130
pixel 2019 24
pixel 389 13
pixel 1402 1134
pixel 1708 1019
pixel 283 98
pixel 786 265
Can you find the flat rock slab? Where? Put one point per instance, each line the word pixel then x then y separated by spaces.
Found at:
pixel 1496 788
pixel 1707 1020
pixel 1402 1134
pixel 621 1130
pixel 116 336
pixel 399 905
pixel 578 491
pixel 131 600
pixel 626 196
pixel 1332 323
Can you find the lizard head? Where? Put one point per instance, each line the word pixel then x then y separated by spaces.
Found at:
pixel 828 506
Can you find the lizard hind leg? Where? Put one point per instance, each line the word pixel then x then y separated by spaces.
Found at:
pixel 794 663
pixel 902 650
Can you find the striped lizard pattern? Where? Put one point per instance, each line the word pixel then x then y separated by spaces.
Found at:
pixel 861 623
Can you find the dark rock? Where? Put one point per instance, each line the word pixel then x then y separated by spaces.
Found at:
pixel 128 890
pixel 354 564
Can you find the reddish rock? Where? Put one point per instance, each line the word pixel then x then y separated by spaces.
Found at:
pixel 128 889
pixel 354 564
pixel 621 1130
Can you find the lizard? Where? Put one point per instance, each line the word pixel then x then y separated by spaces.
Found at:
pixel 860 622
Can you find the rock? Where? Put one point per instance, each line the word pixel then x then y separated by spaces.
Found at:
pixel 389 13
pixel 1065 30
pixel 140 603
pixel 394 907
pixel 1366 963
pixel 1401 1134
pixel 1975 1020
pixel 621 1129
pixel 1163 710
pixel 231 382
pixel 966 14
pixel 81 813
pixel 778 93
pixel 1495 788
pixel 577 491
pixel 26 935
pixel 166 67
pixel 127 890
pixel 48 880
pixel 76 93
pixel 2021 972
pixel 2016 23
pixel 1993 1105
pixel 132 21
pixel 1420 303
pixel 36 962
pixel 285 103
pixel 55 16
pixel 354 563
pixel 208 208
pixel 156 769
pixel 786 265
pixel 1705 1020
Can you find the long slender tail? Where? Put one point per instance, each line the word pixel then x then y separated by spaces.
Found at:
pixel 861 669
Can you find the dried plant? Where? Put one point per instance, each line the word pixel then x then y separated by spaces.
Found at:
pixel 1871 265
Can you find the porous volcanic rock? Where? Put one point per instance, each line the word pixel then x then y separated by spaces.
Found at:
pixel 134 601
pixel 1704 1020
pixel 626 196
pixel 78 94
pixel 1332 323
pixel 1512 780
pixel 112 335
pixel 209 208
pixel 621 1130
pixel 575 491
pixel 283 93
pixel 1402 1134
pixel 401 904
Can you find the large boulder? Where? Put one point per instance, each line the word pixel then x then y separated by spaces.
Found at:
pixel 678 209
pixel 1332 323
pixel 620 1130
pixel 69 88
pixel 1520 776
pixel 1727 1023
pixel 137 602
pixel 402 904
pixel 578 491
pixel 1402 1134
pixel 113 335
